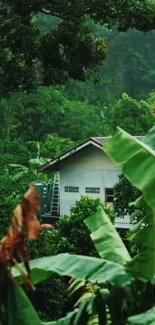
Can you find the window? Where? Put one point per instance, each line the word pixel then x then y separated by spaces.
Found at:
pixel 93 190
pixel 72 189
pixel 109 196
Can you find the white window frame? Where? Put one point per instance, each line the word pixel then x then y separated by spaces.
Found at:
pixel 110 202
pixel 92 190
pixel 71 189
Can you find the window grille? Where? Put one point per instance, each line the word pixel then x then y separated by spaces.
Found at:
pixel 72 189
pixel 92 190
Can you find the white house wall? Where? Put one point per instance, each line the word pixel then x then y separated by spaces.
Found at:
pixel 89 158
pixel 88 168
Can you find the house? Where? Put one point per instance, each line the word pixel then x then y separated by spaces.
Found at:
pixel 85 169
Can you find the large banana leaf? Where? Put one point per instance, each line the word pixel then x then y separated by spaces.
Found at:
pixel 147 318
pixel 143 234
pixel 149 139
pixel 137 160
pixel 19 309
pixel 106 239
pixel 77 267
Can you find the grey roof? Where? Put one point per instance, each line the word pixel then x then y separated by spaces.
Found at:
pixel 102 140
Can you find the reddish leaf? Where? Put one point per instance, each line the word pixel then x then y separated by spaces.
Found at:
pixel 24 224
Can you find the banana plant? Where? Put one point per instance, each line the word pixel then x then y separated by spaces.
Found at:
pixel 19 171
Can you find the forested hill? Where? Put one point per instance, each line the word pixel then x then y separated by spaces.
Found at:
pixel 79 109
pixel 129 66
pixel 120 93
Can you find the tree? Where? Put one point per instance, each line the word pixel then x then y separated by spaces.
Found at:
pixel 53 146
pixel 133 74
pixel 73 235
pixel 68 50
pixel 124 193
pixel 81 121
pixel 45 111
pixel 132 115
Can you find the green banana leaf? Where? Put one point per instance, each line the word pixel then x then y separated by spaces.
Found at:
pixel 147 318
pixel 78 267
pixel 76 285
pixel 68 320
pixel 137 160
pixel 81 316
pixel 19 309
pixel 106 238
pixel 143 234
pixel 149 139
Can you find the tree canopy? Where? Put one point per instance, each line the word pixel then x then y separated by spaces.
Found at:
pixel 132 115
pixel 69 49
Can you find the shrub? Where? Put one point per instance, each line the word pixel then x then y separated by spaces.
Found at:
pixel 45 245
pixel 50 298
pixel 73 234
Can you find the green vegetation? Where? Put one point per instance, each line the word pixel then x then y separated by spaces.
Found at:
pixel 71 96
pixel 70 70
pixel 124 293
pixel 70 235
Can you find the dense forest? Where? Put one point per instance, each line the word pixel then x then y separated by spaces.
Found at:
pixel 65 77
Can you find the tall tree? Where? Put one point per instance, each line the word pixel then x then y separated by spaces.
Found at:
pixel 70 49
pixel 132 115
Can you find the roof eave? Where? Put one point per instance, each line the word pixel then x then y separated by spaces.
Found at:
pixel 54 165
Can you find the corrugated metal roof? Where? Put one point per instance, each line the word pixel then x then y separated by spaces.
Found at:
pixel 102 140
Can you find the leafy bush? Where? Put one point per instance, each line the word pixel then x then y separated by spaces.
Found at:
pixel 50 298
pixel 73 234
pixel 45 245
pixel 124 193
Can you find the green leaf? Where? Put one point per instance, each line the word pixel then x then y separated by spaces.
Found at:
pixel 19 308
pixel 37 162
pixel 84 312
pixel 106 239
pixel 78 267
pixel 137 160
pixel 75 286
pixel 68 320
pixel 147 318
pixel 143 234
pixel 149 139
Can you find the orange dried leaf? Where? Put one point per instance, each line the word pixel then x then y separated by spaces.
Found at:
pixel 18 215
pixel 33 198
pixel 24 222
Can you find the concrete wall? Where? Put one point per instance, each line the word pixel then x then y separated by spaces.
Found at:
pixel 88 168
